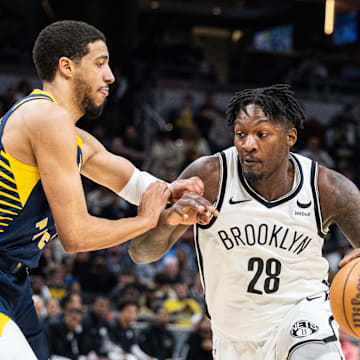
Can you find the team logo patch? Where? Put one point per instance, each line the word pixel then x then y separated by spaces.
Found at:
pixel 303 328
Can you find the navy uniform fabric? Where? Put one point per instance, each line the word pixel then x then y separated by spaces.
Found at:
pixel 26 226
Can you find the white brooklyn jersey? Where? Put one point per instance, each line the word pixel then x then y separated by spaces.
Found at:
pixel 259 258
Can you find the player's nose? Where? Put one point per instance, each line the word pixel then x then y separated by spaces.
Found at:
pixel 249 144
pixel 109 76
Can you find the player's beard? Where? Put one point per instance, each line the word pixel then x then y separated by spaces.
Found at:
pixel 253 178
pixel 84 100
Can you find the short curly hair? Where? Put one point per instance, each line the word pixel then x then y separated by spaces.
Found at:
pixel 62 38
pixel 277 101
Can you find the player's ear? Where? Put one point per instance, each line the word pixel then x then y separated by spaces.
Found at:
pixel 66 67
pixel 291 137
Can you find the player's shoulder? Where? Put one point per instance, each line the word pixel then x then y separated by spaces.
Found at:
pixel 331 180
pixel 43 116
pixel 336 191
pixel 202 167
pixel 90 145
pixel 207 168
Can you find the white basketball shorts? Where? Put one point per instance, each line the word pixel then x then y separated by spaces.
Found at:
pixel 309 327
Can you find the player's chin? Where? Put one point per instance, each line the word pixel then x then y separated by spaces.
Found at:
pixel 253 176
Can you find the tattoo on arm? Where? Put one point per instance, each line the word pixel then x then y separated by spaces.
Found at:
pixel 346 206
pixel 154 244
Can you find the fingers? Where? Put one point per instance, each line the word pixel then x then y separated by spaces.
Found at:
pixel 184 186
pixel 197 202
pixel 347 258
pixel 196 185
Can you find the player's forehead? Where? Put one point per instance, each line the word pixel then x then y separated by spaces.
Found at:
pixel 253 115
pixel 97 50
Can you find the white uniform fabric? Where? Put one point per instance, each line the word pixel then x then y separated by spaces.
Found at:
pixel 259 258
pixel 309 323
pixel 13 344
pixel 136 185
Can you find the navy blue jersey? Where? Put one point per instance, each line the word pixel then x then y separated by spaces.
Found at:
pixel 26 222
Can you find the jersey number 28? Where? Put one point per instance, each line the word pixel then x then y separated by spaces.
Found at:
pixel 272 270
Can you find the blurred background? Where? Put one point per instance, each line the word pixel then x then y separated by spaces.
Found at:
pixel 177 63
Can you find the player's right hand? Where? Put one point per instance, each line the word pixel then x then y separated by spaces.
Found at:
pixel 153 202
pixel 190 209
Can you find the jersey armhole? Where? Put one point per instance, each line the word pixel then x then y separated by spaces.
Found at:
pixel 221 191
pixel 315 191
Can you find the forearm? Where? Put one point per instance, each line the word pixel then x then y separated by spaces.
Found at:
pixel 95 233
pixel 154 244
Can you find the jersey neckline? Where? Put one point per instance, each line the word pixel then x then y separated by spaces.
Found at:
pixel 290 195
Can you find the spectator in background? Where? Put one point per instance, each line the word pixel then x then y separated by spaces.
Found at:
pixel 130 146
pixel 66 334
pixel 39 305
pixel 313 127
pixel 156 340
pixel 206 116
pixel 182 116
pixel 97 327
pixel 350 350
pixel 147 305
pixel 183 310
pixel 165 158
pixel 162 289
pixel 187 269
pixel 128 285
pixel 113 259
pixel 196 291
pixel 171 269
pixel 342 135
pixel 82 264
pixel 99 199
pixel 53 311
pixel 210 120
pixel 102 281
pixel 68 266
pixel 146 272
pixel 39 288
pixel 198 346
pixel 195 145
pixel 314 151
pixel 123 333
pixel 56 282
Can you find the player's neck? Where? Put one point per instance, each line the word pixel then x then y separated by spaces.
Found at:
pixel 277 184
pixel 64 97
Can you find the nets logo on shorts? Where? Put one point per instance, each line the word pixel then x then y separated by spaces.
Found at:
pixel 303 328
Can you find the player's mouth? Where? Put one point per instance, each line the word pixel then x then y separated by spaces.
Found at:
pixel 104 91
pixel 250 161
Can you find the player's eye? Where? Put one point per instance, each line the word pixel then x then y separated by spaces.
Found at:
pixel 239 134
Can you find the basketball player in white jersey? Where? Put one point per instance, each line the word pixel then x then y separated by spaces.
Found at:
pixel 260 259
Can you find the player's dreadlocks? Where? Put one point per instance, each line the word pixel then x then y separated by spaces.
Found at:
pixel 277 101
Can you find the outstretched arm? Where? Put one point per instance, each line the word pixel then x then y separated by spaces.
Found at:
pixel 120 175
pixel 190 209
pixel 340 205
pixel 53 141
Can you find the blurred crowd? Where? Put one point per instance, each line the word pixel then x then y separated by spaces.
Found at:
pixel 100 305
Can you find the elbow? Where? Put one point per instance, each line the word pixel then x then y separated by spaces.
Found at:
pixel 136 258
pixel 71 244
pixel 141 258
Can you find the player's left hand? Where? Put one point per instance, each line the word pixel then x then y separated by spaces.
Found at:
pixel 347 258
pixel 188 210
pixel 180 187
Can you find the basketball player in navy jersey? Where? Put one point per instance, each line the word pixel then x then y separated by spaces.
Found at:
pixel 42 154
pixel 260 259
